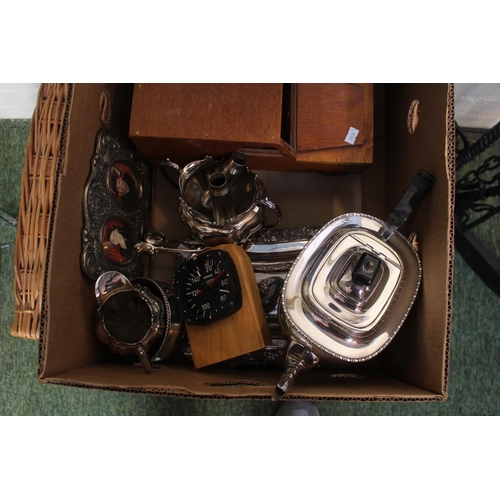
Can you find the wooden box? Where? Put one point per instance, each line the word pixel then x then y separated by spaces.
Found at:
pixel 278 126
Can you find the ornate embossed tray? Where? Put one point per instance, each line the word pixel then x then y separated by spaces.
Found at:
pixel 116 204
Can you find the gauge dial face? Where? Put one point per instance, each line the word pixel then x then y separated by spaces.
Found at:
pixel 208 287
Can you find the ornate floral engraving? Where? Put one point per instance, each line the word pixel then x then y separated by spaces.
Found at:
pixel 116 204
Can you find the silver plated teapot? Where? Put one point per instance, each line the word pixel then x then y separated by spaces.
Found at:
pixel 222 201
pixel 350 290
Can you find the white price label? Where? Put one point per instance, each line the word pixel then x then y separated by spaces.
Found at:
pixel 351 135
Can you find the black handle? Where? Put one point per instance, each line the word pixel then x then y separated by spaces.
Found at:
pixel 412 196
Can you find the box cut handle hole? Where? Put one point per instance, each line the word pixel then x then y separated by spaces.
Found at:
pixel 105 105
pixel 413 113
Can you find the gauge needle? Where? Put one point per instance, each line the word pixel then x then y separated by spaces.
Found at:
pixel 209 284
pixel 213 280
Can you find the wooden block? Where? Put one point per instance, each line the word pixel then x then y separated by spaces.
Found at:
pixel 243 332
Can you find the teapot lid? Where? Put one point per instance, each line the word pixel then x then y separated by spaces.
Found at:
pixel 349 291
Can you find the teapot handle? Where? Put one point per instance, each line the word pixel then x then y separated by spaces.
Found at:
pixel 411 198
pixel 266 202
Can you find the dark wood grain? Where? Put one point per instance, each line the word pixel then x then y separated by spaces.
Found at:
pixel 287 127
pixel 212 117
pixel 325 112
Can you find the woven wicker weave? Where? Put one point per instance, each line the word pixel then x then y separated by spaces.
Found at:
pixel 42 164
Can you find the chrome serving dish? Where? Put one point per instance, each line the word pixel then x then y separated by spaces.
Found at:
pixel 350 290
pixel 222 201
pixel 271 251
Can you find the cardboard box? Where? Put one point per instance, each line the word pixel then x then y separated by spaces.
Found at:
pixel 414 367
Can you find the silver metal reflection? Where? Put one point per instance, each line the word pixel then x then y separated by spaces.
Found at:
pixel 333 315
pixel 150 336
pixel 219 189
pixel 272 252
pixel 222 201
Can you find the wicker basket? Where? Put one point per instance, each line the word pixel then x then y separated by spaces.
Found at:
pixel 44 160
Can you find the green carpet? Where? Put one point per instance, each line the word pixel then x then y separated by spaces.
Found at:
pixel 474 386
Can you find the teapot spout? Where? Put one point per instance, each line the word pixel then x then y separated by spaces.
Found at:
pixel 171 164
pixel 299 359
pixel 235 165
